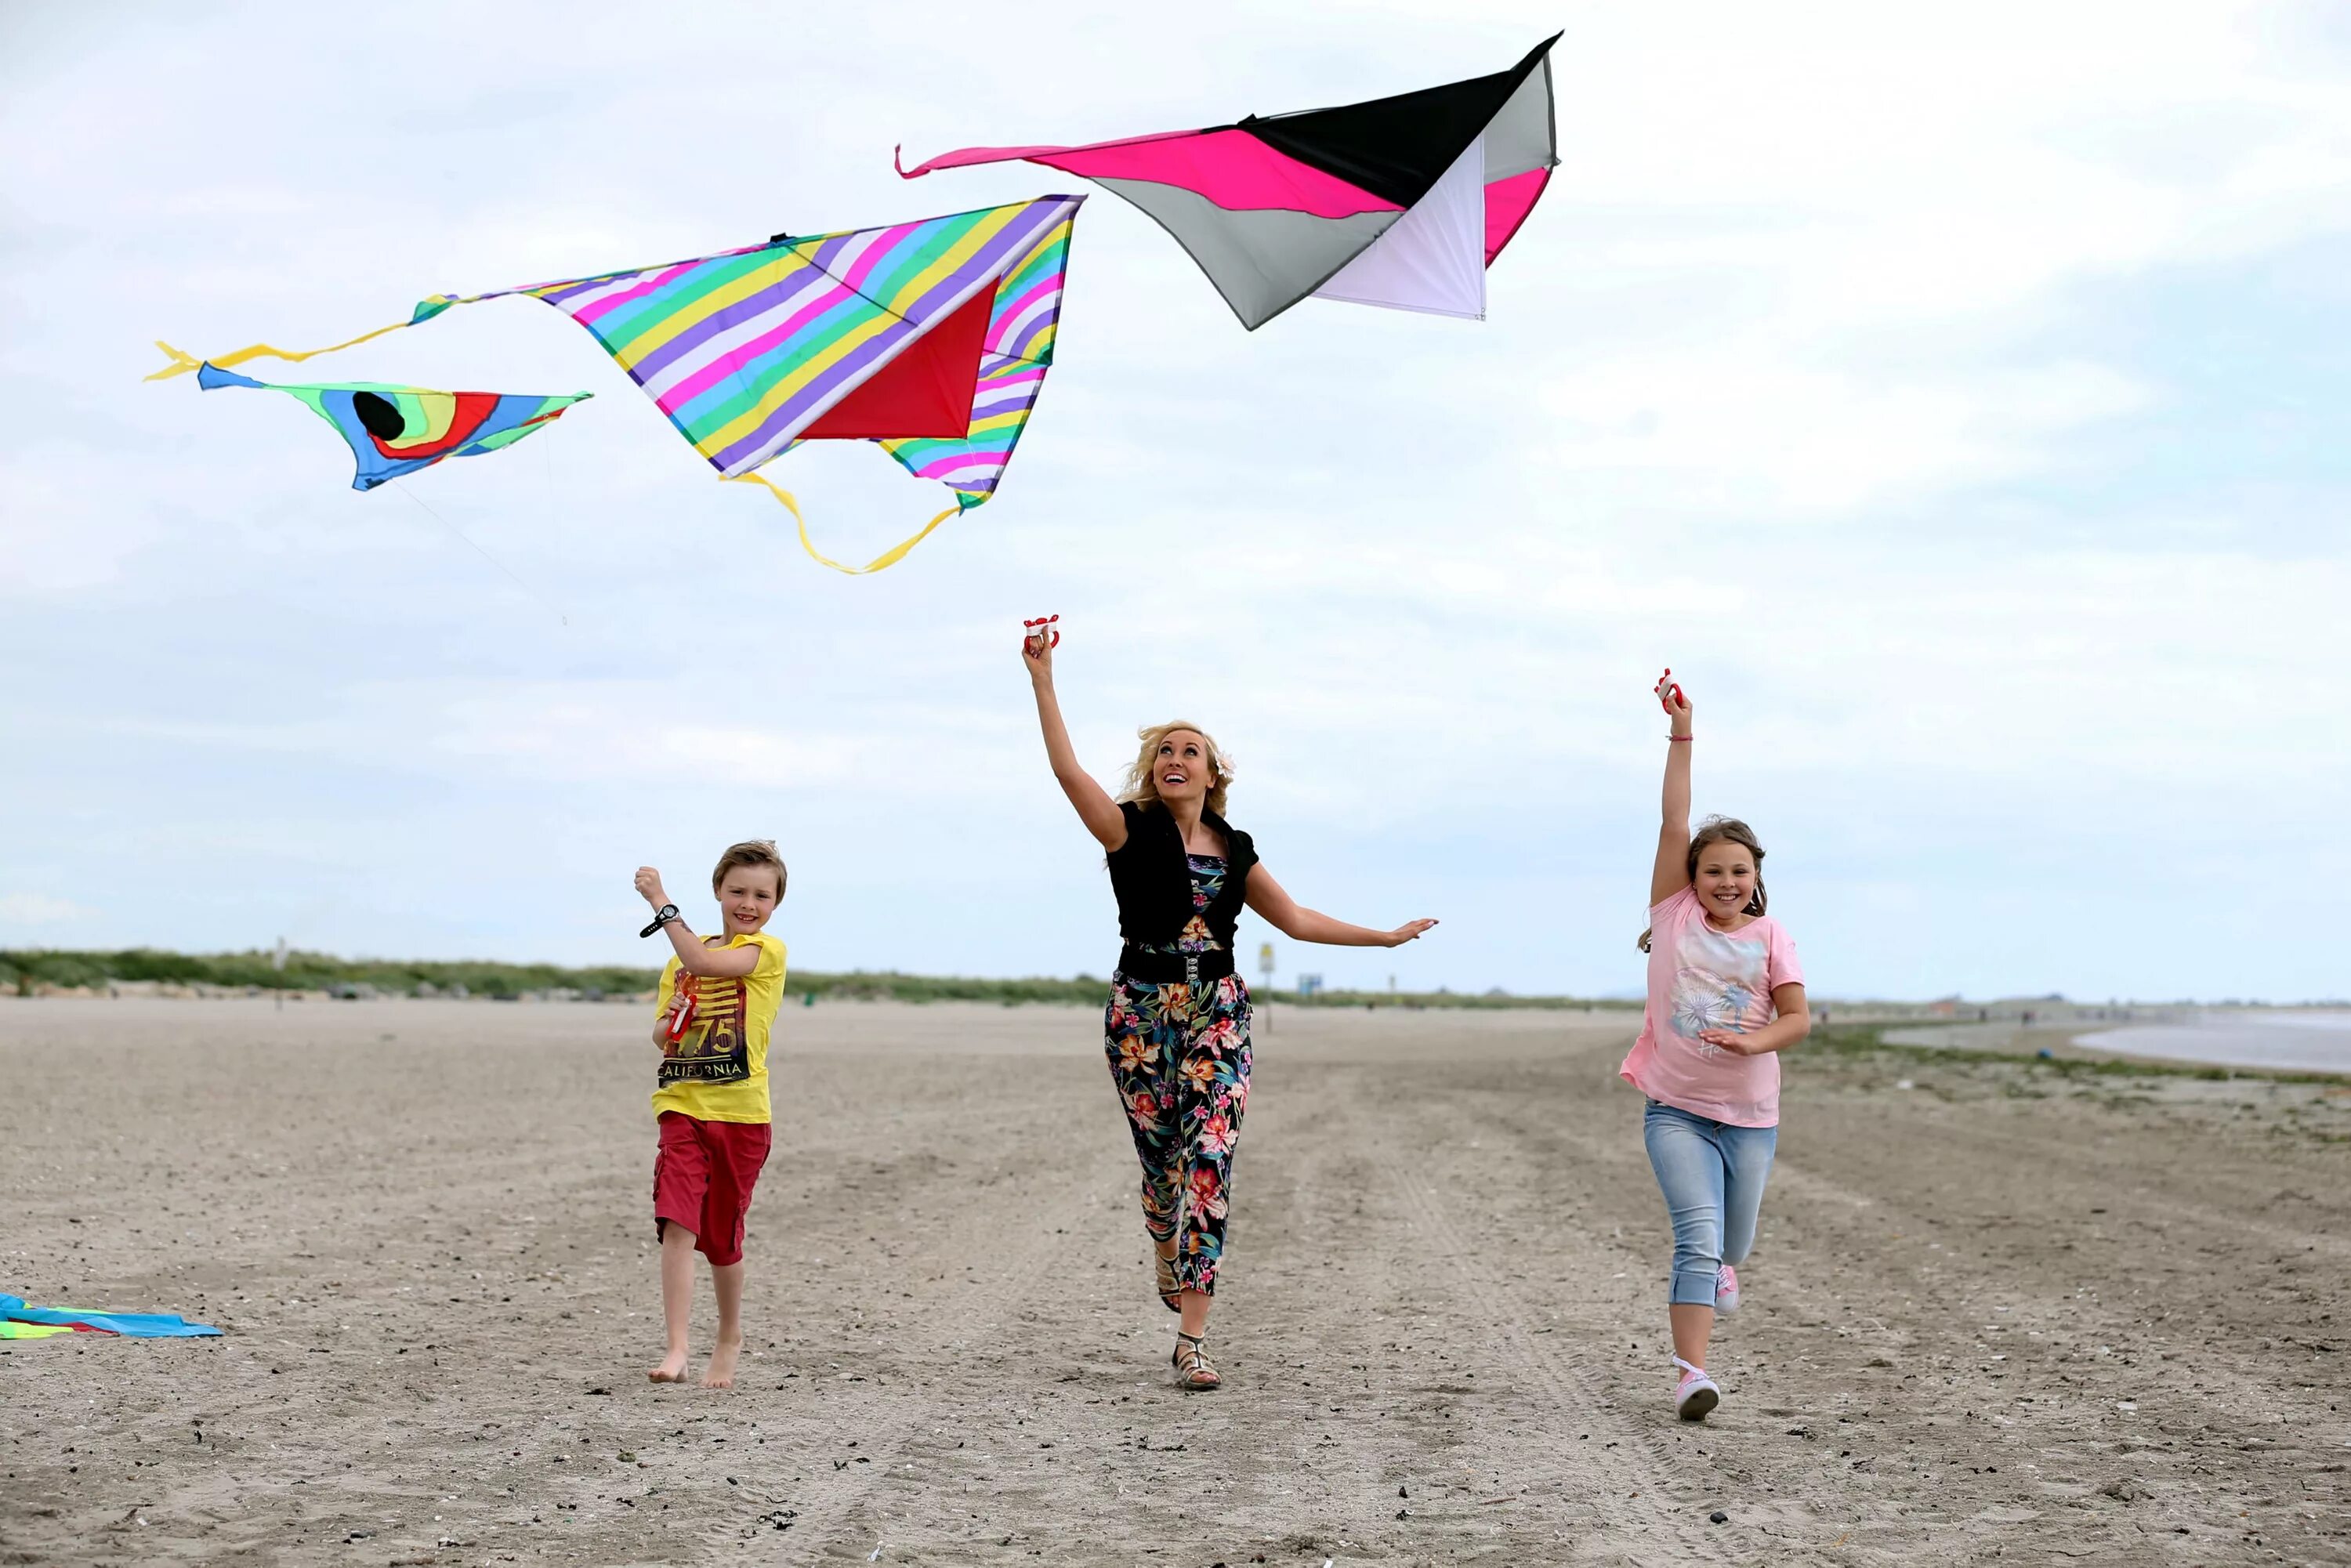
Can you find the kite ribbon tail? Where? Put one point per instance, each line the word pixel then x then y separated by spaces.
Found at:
pixel 182 361
pixel 888 558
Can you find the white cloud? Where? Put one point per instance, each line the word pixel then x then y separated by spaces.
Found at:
pixel 1764 435
pixel 568 732
pixel 34 909
pixel 63 524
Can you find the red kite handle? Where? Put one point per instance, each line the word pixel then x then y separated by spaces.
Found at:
pixel 682 1009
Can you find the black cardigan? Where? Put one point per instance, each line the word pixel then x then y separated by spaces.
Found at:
pixel 1152 878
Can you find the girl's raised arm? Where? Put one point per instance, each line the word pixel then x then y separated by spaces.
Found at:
pixel 1096 809
pixel 1671 873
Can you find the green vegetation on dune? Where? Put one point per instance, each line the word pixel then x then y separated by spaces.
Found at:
pixel 26 971
pixel 888 984
pixel 1087 990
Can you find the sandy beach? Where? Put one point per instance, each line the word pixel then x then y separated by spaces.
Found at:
pixel 1997 1311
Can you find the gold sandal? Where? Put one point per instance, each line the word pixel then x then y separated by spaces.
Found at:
pixel 1193 1371
pixel 1168 1288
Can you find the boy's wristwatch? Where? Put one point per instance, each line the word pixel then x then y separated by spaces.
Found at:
pixel 662 916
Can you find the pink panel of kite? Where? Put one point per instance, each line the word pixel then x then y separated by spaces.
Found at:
pixel 1507 203
pixel 966 157
pixel 1231 168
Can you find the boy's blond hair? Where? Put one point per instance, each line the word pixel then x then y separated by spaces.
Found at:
pixel 750 852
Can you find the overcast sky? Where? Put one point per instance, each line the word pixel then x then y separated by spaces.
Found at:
pixel 1954 401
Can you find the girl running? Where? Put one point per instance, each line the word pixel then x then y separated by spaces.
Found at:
pixel 1177 1027
pixel 1725 997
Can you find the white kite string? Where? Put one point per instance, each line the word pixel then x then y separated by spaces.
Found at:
pixel 485 555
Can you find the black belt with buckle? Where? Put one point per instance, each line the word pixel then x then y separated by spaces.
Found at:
pixel 1174 968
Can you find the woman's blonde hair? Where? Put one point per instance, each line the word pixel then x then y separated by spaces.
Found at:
pixel 1143 787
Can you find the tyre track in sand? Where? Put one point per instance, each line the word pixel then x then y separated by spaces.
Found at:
pixel 1628 1463
pixel 949 1328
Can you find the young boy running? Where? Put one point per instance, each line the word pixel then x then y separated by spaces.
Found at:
pixel 717 1005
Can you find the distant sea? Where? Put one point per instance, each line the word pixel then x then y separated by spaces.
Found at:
pixel 2302 1041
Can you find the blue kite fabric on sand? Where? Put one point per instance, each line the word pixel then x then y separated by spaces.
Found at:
pixel 131 1325
pixel 396 429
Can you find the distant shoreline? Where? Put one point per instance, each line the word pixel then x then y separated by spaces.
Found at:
pixel 2300 1040
pixel 2290 1039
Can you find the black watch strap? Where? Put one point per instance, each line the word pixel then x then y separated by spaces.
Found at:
pixel 662 916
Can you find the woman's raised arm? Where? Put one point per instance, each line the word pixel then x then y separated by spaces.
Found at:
pixel 1096 809
pixel 1671 873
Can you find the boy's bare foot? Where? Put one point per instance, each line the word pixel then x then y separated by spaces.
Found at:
pixel 670 1370
pixel 721 1370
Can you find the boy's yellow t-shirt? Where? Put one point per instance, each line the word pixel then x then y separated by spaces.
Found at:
pixel 717 1070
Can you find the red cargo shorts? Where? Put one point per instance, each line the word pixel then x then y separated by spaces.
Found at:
pixel 703 1178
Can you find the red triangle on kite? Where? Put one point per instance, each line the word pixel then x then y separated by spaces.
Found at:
pixel 925 392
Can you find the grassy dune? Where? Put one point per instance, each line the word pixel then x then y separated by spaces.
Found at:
pixel 27 972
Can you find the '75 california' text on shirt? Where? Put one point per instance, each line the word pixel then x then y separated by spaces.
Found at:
pixel 716 1070
pixel 1701 978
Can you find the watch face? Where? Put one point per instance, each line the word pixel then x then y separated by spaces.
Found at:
pixel 667 912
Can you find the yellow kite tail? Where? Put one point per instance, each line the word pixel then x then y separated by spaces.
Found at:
pixel 890 557
pixel 182 362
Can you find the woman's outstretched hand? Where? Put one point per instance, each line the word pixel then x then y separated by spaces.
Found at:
pixel 1408 932
pixel 1036 651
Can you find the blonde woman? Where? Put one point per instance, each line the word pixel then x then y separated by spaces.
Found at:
pixel 1177 1027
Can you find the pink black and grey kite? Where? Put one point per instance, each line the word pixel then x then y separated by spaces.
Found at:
pixel 1402 201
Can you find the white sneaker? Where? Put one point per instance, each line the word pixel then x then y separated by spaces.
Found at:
pixel 1725 1288
pixel 1695 1393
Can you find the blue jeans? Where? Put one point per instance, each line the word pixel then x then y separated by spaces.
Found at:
pixel 1713 1175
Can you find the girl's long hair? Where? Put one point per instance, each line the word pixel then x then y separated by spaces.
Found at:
pixel 1143 787
pixel 1724 831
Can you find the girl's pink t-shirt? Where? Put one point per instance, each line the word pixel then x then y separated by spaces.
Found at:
pixel 1702 978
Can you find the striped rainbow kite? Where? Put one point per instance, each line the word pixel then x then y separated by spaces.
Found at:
pixel 930 337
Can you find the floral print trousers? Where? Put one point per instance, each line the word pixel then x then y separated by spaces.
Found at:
pixel 1180 1058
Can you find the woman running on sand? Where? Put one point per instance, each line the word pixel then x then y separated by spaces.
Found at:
pixel 1177 1027
pixel 1725 995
